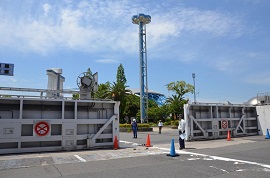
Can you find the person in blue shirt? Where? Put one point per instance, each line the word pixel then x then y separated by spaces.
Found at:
pixel 134 127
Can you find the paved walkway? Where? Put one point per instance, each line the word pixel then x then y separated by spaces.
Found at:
pixel 127 149
pixel 165 128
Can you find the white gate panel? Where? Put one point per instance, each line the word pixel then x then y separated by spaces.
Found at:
pixel 10 130
pixel 212 121
pixel 37 124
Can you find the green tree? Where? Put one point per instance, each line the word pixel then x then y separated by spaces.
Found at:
pixel 120 76
pixel 152 110
pixel 177 100
pixel 75 96
pixel 119 90
pixel 104 91
pixel 132 106
pixel 156 113
pixel 119 93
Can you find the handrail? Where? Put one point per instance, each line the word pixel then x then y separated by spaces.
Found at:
pixel 263 98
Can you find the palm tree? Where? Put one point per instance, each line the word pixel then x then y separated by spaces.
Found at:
pixel 175 105
pixel 104 91
pixel 119 92
pixel 177 101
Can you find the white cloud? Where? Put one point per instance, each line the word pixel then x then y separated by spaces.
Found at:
pixel 46 8
pixel 107 61
pixel 230 64
pixel 160 31
pixel 224 65
pixel 208 21
pixel 104 25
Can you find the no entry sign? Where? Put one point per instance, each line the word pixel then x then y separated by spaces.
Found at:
pixel 224 124
pixel 42 128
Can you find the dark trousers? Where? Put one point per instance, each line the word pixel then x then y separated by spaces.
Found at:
pixel 134 133
pixel 181 141
pixel 159 129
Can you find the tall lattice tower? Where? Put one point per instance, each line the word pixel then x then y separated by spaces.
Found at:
pixel 142 20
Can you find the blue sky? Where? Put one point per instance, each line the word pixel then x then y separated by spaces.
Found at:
pixel 226 43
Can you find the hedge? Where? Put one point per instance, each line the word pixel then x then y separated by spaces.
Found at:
pixel 139 125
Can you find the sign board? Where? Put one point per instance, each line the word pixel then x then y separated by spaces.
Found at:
pixel 6 69
pixel 42 128
pixel 224 124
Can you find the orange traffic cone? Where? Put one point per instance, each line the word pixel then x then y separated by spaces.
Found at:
pixel 115 144
pixel 229 136
pixel 148 141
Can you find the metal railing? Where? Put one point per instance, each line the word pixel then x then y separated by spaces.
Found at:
pixel 263 98
pixel 42 93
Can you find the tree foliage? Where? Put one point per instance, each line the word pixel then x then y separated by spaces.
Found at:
pixel 132 106
pixel 130 103
pixel 120 76
pixel 119 90
pixel 104 91
pixel 180 88
pixel 156 113
pixel 177 100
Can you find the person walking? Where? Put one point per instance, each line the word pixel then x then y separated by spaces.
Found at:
pixel 134 127
pixel 160 125
pixel 181 128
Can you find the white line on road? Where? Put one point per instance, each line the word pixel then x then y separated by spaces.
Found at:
pixel 80 158
pixel 219 169
pixel 213 157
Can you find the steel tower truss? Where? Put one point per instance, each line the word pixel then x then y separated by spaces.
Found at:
pixel 142 20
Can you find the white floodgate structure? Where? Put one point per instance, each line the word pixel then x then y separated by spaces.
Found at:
pixel 212 121
pixel 54 122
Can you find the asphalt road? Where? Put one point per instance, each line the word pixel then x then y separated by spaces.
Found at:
pixel 242 157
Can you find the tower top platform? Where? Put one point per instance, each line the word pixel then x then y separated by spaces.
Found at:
pixel 145 19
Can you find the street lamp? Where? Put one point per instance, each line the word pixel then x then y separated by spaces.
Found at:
pixel 193 76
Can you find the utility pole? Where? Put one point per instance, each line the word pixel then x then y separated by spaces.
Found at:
pixel 193 76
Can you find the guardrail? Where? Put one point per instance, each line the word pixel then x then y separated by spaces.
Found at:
pixel 263 98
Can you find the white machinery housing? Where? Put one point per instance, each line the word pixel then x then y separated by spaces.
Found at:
pixel 87 83
pixel 55 82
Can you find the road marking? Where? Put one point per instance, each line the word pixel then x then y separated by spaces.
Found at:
pixel 127 142
pixel 141 151
pixel 209 156
pixel 219 169
pixel 191 159
pixel 80 158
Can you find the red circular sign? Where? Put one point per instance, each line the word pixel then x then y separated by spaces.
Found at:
pixel 42 128
pixel 224 124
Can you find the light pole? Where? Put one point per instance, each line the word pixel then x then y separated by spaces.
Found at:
pixel 193 76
